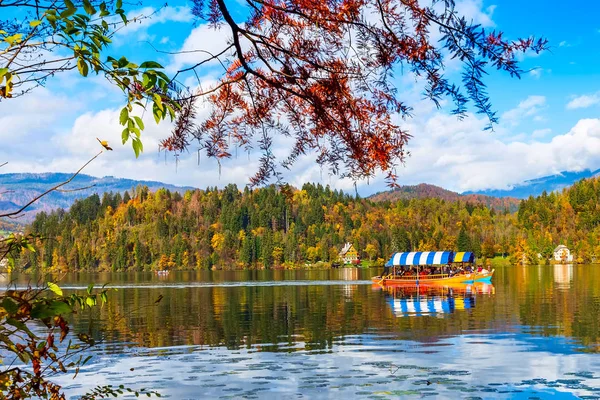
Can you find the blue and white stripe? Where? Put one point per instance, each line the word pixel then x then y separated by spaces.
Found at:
pixel 421 258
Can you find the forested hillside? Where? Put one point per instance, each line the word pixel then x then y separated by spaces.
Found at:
pixel 18 189
pixel 571 217
pixel 272 227
pixel 425 191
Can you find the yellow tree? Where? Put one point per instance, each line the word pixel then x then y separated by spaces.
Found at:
pixel 371 251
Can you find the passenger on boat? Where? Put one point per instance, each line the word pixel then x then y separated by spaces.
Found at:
pixel 386 270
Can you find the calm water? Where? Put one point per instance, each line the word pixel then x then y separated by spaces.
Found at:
pixel 534 333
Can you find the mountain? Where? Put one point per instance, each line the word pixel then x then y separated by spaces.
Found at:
pixel 535 187
pixel 424 190
pixel 19 188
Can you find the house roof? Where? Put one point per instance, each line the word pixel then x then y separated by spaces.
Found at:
pixel 560 247
pixel 346 248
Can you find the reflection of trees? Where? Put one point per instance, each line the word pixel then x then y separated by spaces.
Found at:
pixel 553 308
pixel 314 317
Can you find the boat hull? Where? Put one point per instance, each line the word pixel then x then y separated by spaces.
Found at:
pixel 427 281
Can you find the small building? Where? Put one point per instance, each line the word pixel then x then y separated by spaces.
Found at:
pixel 348 255
pixel 563 254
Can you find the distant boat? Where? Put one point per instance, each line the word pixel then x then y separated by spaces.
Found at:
pixel 163 272
pixel 410 268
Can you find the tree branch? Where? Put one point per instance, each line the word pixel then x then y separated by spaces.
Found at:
pixel 54 188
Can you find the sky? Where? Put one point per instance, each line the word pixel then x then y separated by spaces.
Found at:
pixel 549 119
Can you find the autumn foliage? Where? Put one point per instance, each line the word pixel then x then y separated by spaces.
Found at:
pixel 267 227
pixel 323 73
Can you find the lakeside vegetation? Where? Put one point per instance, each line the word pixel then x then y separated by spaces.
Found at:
pixel 283 227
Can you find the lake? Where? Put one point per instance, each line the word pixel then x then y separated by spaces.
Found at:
pixel 534 333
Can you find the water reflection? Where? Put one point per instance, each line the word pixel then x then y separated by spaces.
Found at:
pixel 315 334
pixel 408 301
pixel 563 275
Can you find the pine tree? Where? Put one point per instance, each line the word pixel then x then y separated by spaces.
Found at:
pixel 463 243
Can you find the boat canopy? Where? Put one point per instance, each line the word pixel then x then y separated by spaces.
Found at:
pixel 420 258
pixel 464 257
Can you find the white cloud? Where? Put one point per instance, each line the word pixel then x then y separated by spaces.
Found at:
pixel 473 10
pixel 529 107
pixel 537 72
pixel 461 156
pixel 202 42
pixel 144 18
pixel 539 133
pixel 583 101
pixel 458 155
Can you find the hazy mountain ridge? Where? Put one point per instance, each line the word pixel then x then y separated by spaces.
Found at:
pixel 16 189
pixel 424 190
pixel 535 187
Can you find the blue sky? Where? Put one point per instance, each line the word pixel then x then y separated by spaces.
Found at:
pixel 548 119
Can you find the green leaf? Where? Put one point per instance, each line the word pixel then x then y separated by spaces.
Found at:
pixel 10 306
pixel 20 325
pixel 59 308
pixel 55 288
pixel 82 66
pixel 124 116
pixel 157 113
pixel 52 19
pixel 122 62
pixel 149 80
pixel 41 311
pixel 68 12
pixel 88 7
pixel 90 301
pixel 125 135
pixel 136 131
pixel 139 121
pixel 171 112
pixel 103 11
pixel 69 4
pixel 35 23
pixel 137 147
pixel 90 288
pixel 119 3
pixel 150 64
pixel 158 101
pixel 3 71
pixel 163 76
pixel 14 39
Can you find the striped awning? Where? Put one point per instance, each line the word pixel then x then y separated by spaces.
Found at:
pixel 420 258
pixel 464 256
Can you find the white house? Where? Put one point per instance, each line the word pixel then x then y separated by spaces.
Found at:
pixel 562 253
pixel 348 255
